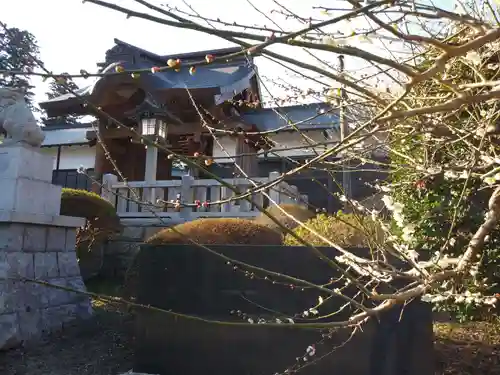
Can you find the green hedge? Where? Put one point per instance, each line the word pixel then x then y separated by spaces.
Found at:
pixel 82 203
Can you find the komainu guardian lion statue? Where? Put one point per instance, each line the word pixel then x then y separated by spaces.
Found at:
pixel 17 121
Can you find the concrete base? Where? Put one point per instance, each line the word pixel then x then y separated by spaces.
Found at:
pixel 36 244
pixel 25 182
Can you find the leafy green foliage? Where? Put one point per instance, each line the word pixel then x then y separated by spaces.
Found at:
pixel 297 211
pixel 16 50
pixel 445 214
pixel 446 207
pixel 342 229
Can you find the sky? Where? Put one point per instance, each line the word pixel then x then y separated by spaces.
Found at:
pixel 73 35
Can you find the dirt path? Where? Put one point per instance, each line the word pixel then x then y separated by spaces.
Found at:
pixel 100 346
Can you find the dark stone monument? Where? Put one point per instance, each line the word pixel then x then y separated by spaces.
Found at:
pixel 189 280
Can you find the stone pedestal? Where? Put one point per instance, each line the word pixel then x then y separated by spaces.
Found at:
pixel 36 243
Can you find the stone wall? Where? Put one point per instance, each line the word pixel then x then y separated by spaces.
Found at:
pixel 121 250
pixel 45 253
pixel 36 244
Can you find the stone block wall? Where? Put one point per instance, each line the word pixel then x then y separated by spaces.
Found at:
pixel 120 251
pixel 38 252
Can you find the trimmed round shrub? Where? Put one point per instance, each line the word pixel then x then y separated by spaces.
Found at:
pixel 83 203
pixel 299 212
pixel 101 223
pixel 346 230
pixel 209 231
pixel 217 231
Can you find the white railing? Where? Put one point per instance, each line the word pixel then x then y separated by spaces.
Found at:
pixel 188 190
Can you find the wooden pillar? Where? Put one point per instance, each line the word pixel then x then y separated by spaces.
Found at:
pixel 101 164
pixel 137 159
pixel 120 151
pixel 98 167
pixel 196 144
pixel 164 169
pixel 246 159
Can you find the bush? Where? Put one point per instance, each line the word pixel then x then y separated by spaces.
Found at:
pixel 83 203
pixel 446 206
pixel 343 229
pixel 217 232
pixel 297 211
pixel 440 208
pixel 210 231
pixel 101 222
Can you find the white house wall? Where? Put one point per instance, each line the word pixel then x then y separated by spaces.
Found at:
pixel 283 140
pixel 73 157
pixel 223 147
pixel 300 145
pixel 52 151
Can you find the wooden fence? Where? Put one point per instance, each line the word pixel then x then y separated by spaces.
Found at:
pixel 189 190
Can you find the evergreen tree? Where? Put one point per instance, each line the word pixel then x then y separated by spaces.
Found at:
pixel 61 86
pixel 57 88
pixel 18 51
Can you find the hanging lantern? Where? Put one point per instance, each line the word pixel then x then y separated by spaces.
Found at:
pixel 153 128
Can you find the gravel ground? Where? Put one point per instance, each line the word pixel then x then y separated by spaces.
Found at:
pixel 100 346
pixel 104 344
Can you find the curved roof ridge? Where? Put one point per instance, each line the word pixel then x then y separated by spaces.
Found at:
pixel 141 50
pixel 185 55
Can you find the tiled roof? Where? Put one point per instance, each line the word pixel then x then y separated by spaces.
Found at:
pixel 183 56
pixel 227 79
pixel 304 117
